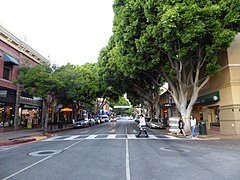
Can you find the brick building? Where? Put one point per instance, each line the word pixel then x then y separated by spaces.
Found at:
pixel 14 104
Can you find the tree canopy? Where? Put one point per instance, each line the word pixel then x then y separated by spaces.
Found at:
pixel 179 40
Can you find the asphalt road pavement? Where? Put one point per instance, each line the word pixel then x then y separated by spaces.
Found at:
pixel 112 152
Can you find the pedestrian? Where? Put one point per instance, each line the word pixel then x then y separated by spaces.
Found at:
pixel 181 127
pixel 142 125
pixel 193 123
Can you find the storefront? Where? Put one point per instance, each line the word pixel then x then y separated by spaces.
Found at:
pixel 7 107
pixel 30 112
pixel 207 109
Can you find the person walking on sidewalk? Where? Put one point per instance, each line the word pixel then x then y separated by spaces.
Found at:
pixel 181 127
pixel 142 125
pixel 193 123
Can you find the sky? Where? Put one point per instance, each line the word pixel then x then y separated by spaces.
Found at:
pixel 62 31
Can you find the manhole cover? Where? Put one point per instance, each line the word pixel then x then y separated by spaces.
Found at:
pixel 174 149
pixel 45 153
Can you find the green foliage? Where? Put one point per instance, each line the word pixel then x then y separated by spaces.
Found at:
pixel 67 83
pixel 149 34
pixel 38 81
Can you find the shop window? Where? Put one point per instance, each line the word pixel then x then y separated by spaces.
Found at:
pixel 6 115
pixel 7 72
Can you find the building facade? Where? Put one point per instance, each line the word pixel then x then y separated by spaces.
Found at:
pixel 16 106
pixel 219 102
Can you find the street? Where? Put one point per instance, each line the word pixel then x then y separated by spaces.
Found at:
pixel 112 152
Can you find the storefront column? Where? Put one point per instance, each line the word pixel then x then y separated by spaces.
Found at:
pixel 17 104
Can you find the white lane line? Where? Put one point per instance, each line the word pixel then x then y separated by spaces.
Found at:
pixel 128 172
pixel 172 137
pixel 72 137
pixel 26 168
pixel 91 137
pixel 112 131
pixel 72 145
pixel 7 148
pixel 52 138
pixel 111 136
pixel 84 131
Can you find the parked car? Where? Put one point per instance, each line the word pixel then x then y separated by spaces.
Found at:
pixel 155 123
pixel 80 123
pixel 130 118
pixel 104 118
pixel 97 120
pixel 91 121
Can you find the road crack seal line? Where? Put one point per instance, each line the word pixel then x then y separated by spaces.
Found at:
pixel 174 149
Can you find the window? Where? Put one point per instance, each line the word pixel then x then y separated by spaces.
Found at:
pixel 7 72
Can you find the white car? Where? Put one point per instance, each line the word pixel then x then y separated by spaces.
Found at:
pixel 155 123
pixel 104 118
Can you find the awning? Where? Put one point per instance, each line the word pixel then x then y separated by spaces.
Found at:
pixel 10 59
pixel 66 110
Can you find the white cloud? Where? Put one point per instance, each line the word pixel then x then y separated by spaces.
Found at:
pixel 66 30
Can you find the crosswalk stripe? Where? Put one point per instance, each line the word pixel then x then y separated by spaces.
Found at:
pixel 91 137
pixel 152 137
pixel 52 138
pixel 111 136
pixel 171 137
pixel 119 136
pixel 72 137
pixel 131 136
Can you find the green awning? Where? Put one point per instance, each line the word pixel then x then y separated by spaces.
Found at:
pixel 209 98
pixel 10 59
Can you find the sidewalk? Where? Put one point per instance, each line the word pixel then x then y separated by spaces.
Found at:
pixel 212 133
pixel 26 135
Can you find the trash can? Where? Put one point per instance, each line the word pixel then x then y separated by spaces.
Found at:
pixel 202 128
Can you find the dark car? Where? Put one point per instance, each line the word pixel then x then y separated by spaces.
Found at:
pixel 80 123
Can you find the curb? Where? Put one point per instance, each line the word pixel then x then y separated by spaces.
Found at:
pixel 18 142
pixel 22 140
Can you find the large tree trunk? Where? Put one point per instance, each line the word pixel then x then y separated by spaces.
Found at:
pixel 186 81
pixel 45 117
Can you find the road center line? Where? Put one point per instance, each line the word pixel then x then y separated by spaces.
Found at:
pixel 128 174
pixel 127 162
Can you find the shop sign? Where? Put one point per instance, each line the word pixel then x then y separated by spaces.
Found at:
pixel 30 107
pixel 209 98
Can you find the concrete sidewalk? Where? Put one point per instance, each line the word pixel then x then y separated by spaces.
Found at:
pixel 212 133
pixel 26 135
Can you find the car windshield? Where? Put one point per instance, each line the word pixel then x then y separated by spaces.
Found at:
pixel 155 120
pixel 80 120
